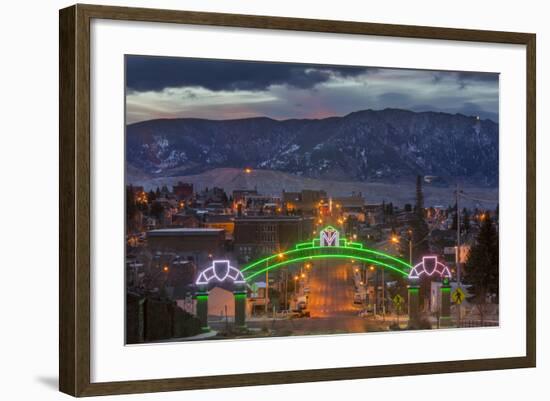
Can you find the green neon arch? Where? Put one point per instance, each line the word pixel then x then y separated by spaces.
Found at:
pixel 313 251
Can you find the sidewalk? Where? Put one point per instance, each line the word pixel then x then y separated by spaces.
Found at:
pixel 198 337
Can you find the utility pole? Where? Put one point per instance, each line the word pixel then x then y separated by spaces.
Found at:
pixel 457 250
pixel 286 288
pixel 383 296
pixel 266 289
pixel 457 236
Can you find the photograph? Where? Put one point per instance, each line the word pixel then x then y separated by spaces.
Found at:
pixel 266 199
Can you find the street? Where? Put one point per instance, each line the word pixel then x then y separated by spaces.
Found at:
pixel 331 289
pixel 330 305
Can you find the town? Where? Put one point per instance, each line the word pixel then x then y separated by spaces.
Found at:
pixel 174 234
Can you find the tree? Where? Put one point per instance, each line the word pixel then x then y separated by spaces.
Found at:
pixel 419 197
pixel 157 210
pixel 481 268
pixel 466 220
pixel 131 209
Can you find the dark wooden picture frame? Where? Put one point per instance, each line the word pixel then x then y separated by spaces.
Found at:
pixel 74 204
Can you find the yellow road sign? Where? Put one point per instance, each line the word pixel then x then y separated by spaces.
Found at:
pixel 458 296
pixel 398 300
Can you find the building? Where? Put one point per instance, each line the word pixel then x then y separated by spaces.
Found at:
pixel 374 214
pixel 307 200
pixel 221 221
pixel 240 194
pixel 194 244
pixel 255 204
pixel 183 190
pixel 185 220
pixel 264 235
pixel 221 303
pixel 355 201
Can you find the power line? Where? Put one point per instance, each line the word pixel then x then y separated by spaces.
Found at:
pixel 477 199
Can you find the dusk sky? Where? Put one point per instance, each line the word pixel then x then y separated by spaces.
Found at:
pixel 166 87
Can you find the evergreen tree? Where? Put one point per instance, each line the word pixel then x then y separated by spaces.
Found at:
pixel 131 208
pixel 466 220
pixel 481 268
pixel 157 210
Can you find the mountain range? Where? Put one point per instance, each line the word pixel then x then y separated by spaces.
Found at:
pixel 389 145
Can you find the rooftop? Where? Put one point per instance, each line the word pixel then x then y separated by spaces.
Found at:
pixel 183 231
pixel 270 218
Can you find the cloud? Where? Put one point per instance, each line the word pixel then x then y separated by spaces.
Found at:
pixel 465 78
pixel 147 73
pixel 220 89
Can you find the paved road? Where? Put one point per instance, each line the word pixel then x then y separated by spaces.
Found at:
pixel 331 289
pixel 330 305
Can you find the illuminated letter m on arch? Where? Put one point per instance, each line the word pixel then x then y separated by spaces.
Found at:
pixel 330 237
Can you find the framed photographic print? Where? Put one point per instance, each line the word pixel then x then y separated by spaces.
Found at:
pixel 348 200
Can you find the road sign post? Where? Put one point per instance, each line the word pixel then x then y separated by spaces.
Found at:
pixel 398 302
